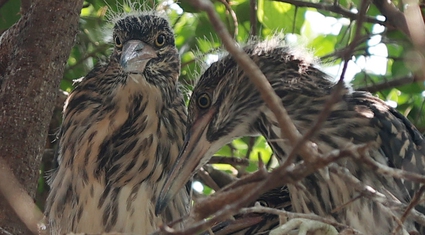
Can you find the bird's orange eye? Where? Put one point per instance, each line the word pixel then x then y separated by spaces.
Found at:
pixel 118 42
pixel 160 40
pixel 204 101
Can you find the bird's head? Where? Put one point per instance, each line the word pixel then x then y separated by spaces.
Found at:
pixel 144 44
pixel 225 105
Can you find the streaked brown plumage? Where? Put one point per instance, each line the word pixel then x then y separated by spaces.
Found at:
pixel 226 105
pixel 122 130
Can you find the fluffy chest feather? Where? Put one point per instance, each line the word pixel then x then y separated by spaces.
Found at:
pixel 113 164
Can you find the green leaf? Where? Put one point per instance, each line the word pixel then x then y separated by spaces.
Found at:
pixel 394 50
pixel 414 88
pixel 9 14
pixel 261 148
pixel 280 16
pixel 224 151
pixel 183 30
pixel 187 7
pixel 399 69
pixel 242 9
pixel 323 45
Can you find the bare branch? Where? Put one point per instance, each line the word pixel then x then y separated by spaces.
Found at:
pixel 19 200
pixel 336 93
pixel 233 161
pixel 278 177
pixel 393 15
pixel 413 21
pixel 332 8
pixel 415 201
pixel 233 15
pixel 253 17
pixel 33 54
pixel 288 129
pixel 206 178
pixel 390 84
pixel 220 177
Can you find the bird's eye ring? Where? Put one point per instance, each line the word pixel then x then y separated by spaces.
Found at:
pixel 118 42
pixel 204 101
pixel 160 40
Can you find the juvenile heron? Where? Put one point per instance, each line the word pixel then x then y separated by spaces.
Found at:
pixel 225 105
pixel 122 130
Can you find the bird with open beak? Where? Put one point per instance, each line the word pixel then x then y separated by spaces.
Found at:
pixel 225 105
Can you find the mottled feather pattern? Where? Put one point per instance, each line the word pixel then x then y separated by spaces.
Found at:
pixel 120 134
pixel 358 118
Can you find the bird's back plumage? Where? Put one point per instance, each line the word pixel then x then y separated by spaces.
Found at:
pixel 236 109
pixel 122 129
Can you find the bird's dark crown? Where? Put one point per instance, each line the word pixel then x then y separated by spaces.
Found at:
pixel 145 27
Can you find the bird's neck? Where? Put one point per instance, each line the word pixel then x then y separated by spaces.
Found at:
pixel 303 109
pixel 155 121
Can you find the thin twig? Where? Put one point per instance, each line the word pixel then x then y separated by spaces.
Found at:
pixel 387 204
pixel 233 161
pixel 221 178
pixel 390 84
pixel 233 15
pixel 253 17
pixel 98 49
pixel 206 178
pixel 415 201
pixel 288 128
pixel 332 8
pixel 278 177
pixel 389 171
pixel 336 93
pixel 333 99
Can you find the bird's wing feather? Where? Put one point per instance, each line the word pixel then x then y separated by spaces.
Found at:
pixel 399 141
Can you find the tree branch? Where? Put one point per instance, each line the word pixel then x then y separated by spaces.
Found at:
pixel 288 129
pixel 33 54
pixel 332 8
pixel 390 84
pixel 19 199
pixel 393 15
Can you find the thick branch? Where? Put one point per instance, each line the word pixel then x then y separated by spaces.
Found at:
pixel 393 15
pixel 19 199
pixel 33 53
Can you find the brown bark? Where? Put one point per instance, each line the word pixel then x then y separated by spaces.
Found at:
pixel 393 15
pixel 33 53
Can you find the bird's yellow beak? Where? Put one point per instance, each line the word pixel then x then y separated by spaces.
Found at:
pixel 135 55
pixel 195 153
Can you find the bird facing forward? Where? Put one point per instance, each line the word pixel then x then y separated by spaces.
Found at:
pixel 122 129
pixel 225 105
